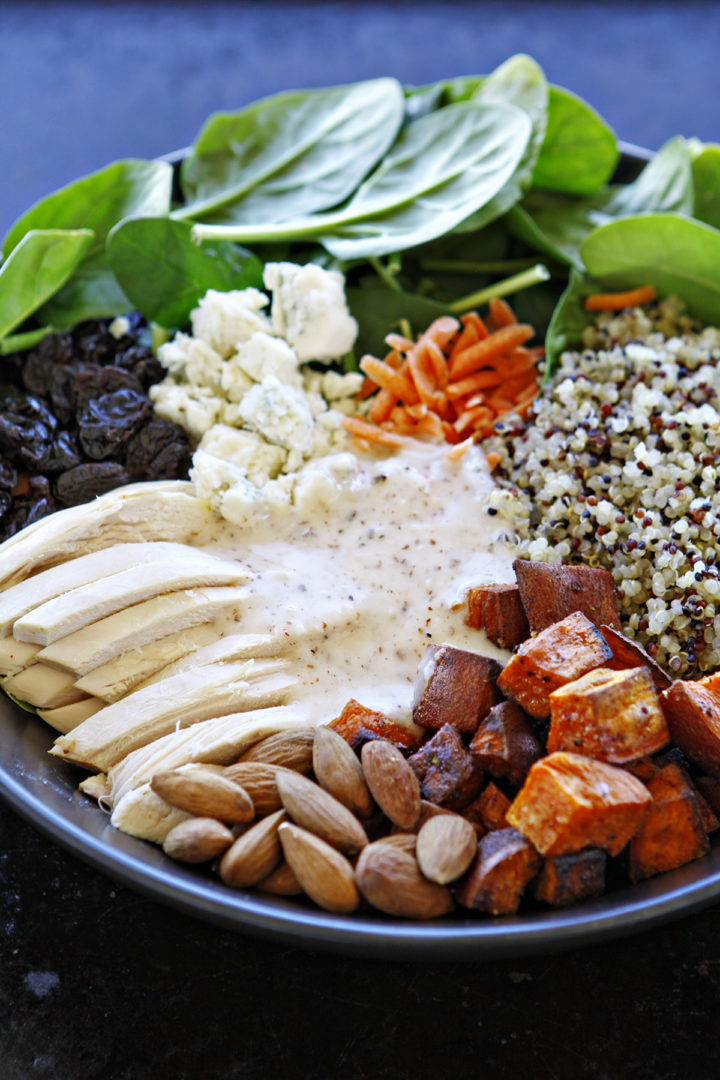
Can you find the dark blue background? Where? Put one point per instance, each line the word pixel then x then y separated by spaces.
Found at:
pixel 84 83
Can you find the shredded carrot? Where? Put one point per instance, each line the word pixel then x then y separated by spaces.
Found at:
pixel 616 301
pixel 452 383
pixel 501 313
pixel 491 349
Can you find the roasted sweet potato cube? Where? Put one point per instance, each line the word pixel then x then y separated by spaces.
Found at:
pixel 454 686
pixel 551 591
pixel 709 788
pixel 709 818
pixel 628 654
pixel 505 745
pixel 357 724
pixel 671 833
pixel 498 610
pixel 615 716
pixel 504 865
pixel 492 806
pixel 556 656
pixel 692 712
pixel 447 773
pixel 567 879
pixel 570 802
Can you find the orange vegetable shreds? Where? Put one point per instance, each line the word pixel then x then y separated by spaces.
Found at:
pixel 464 377
pixel 570 802
pixel 617 301
pixel 372 433
pixel 611 715
pixel 486 352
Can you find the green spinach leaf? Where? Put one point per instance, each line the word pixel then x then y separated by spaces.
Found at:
pixel 556 224
pixel 26 340
pixel 580 151
pixel 165 274
pixel 706 179
pixel 521 82
pixel 35 269
pixel 378 311
pixel 568 320
pixel 675 254
pixel 289 155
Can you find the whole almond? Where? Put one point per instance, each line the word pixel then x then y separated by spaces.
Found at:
pixel 406 841
pixel 317 811
pixel 446 845
pixel 204 794
pixel 390 880
pixel 392 783
pixel 338 770
pixel 255 854
pixel 259 780
pixel 325 875
pixel 197 840
pixel 281 882
pixel 292 749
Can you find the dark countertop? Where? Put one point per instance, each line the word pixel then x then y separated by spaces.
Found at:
pixel 96 981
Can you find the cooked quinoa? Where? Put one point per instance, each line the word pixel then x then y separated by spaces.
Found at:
pixel 617 466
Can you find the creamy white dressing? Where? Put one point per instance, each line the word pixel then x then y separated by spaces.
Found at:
pixel 369 566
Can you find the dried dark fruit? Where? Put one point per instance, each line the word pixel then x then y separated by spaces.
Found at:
pixel 85 482
pixel 107 422
pixel 8 475
pixel 160 450
pixel 27 429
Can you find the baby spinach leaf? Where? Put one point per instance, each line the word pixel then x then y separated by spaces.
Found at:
pixel 98 201
pixel 35 269
pixel 675 254
pixel 706 180
pixel 165 274
pixel 580 151
pixel 556 224
pixel 441 170
pixel 291 154
pixel 568 320
pixel 26 340
pixel 521 82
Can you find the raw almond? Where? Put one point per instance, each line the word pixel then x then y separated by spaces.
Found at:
pixel 392 783
pixel 446 845
pixel 406 841
pixel 258 779
pixel 390 880
pixel 204 794
pixel 325 875
pixel 291 749
pixel 338 770
pixel 255 854
pixel 197 840
pixel 281 882
pixel 318 812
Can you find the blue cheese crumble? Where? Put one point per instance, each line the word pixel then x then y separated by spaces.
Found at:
pixel 240 385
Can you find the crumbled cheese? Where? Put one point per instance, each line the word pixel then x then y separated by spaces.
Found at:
pixel 239 386
pixel 309 310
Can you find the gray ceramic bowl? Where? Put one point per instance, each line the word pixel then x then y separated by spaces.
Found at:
pixel 44 790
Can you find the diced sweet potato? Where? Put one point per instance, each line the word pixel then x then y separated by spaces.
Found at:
pixel 492 806
pixel 447 773
pixel 454 686
pixel 628 654
pixel 693 718
pixel 498 610
pixel 671 833
pixel 570 802
pixel 567 879
pixel 558 655
pixel 550 592
pixel 358 725
pixel 709 788
pixel 709 818
pixel 505 745
pixel 504 865
pixel 611 715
